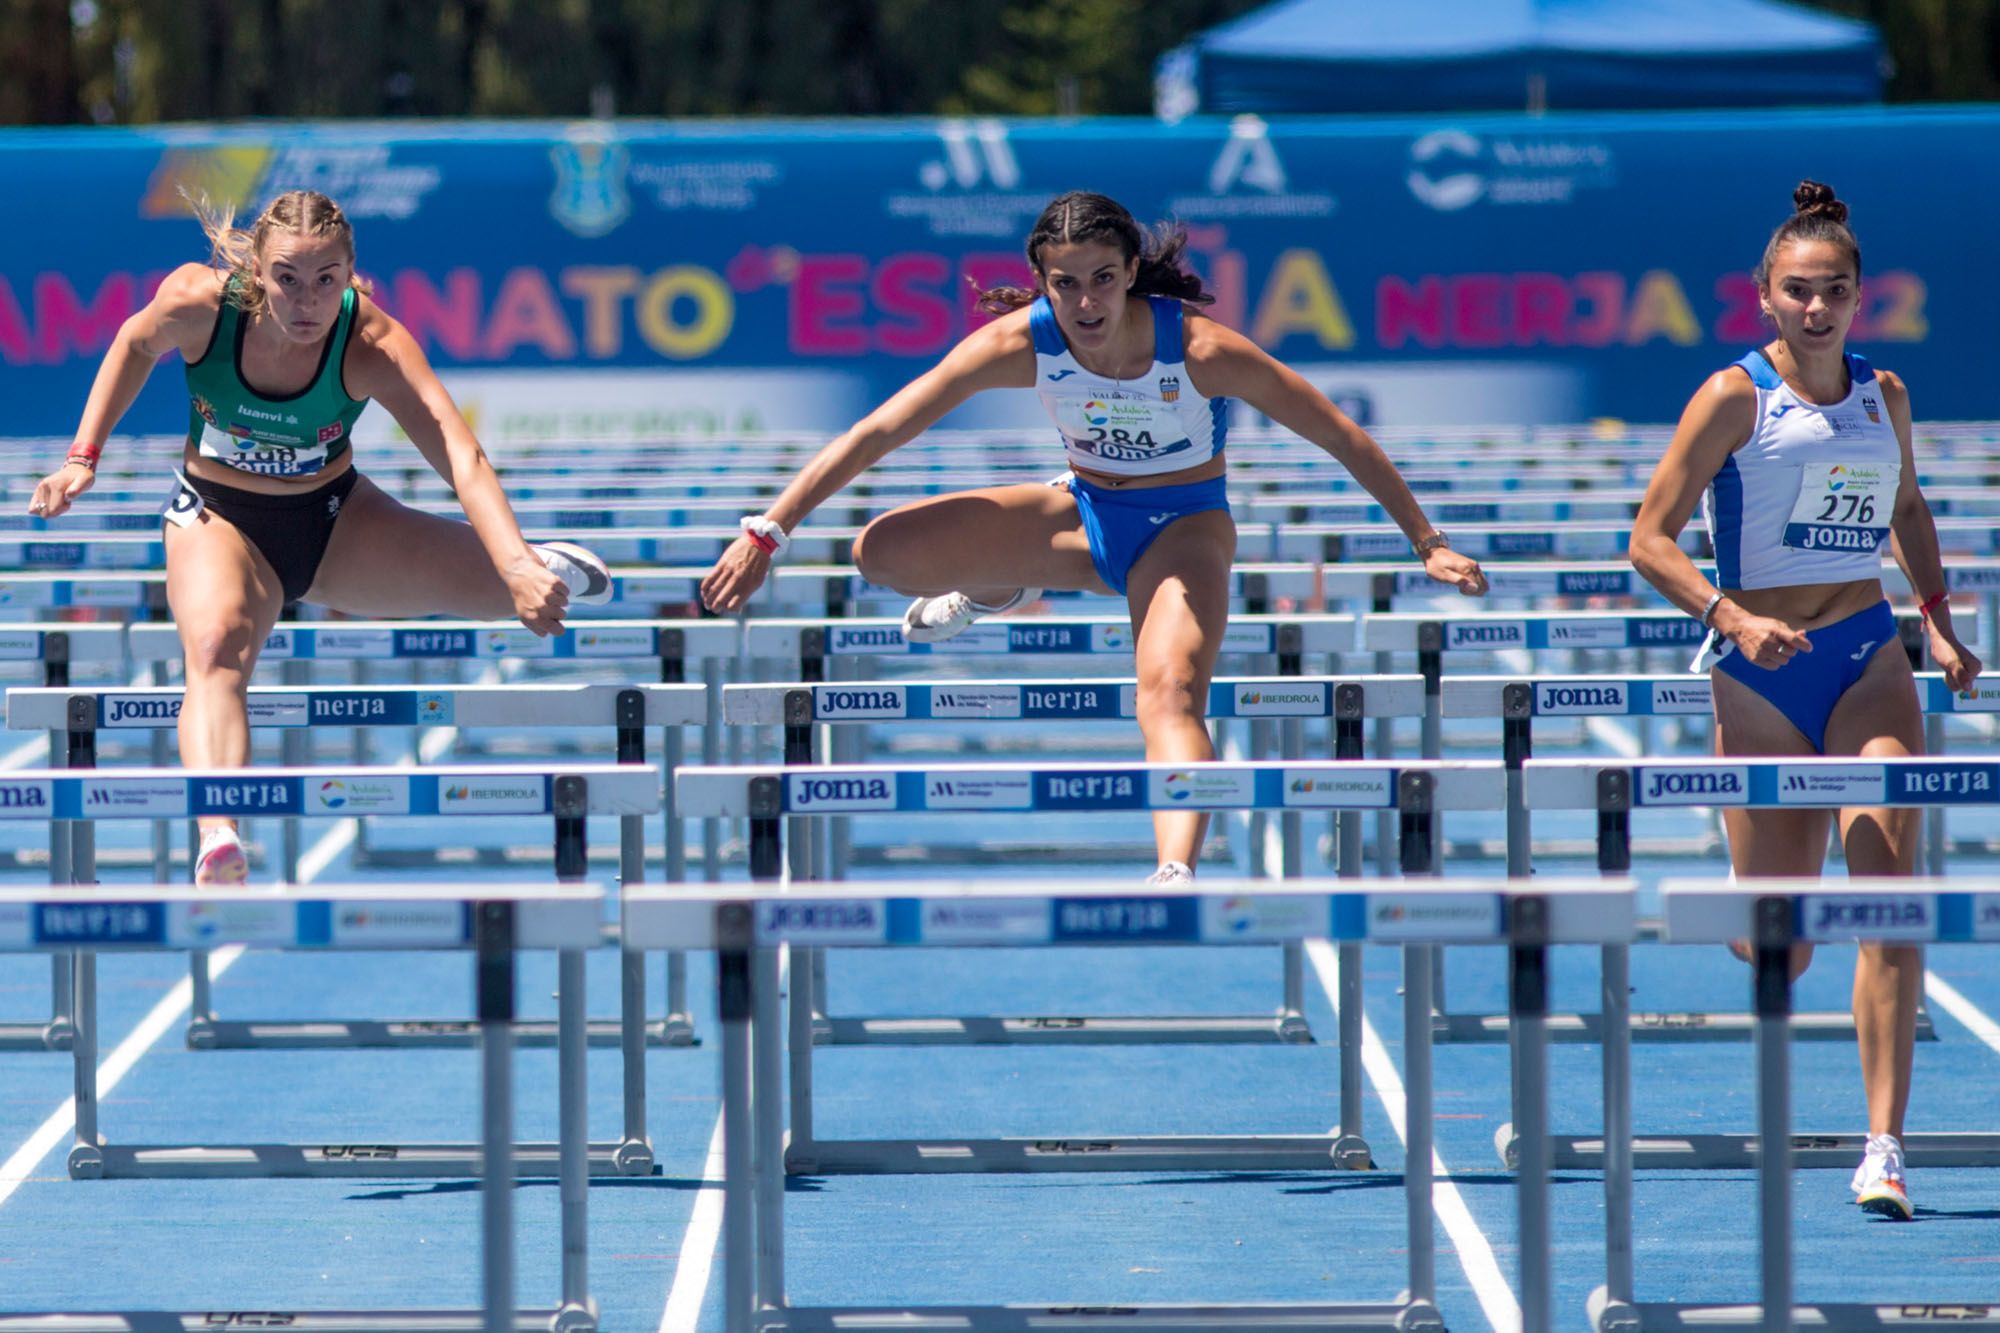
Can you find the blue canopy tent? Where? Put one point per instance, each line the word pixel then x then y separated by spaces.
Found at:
pixel 1317 56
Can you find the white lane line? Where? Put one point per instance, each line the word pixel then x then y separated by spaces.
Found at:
pixel 164 1015
pixel 58 1127
pixel 697 1258
pixel 1965 1011
pixel 1475 1255
pixel 25 753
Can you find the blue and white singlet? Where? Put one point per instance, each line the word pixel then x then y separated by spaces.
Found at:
pixel 1142 427
pixel 1809 497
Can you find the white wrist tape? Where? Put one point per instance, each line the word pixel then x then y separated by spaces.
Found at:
pixel 769 530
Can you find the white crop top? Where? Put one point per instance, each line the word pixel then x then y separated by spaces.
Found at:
pixel 1131 428
pixel 1808 498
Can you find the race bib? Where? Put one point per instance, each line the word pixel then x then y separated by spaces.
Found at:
pixel 250 455
pixel 1843 507
pixel 1121 430
pixel 184 506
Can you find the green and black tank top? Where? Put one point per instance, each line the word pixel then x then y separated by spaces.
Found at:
pixel 293 436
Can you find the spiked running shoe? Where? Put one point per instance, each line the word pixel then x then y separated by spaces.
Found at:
pixel 221 862
pixel 935 619
pixel 1172 872
pixel 587 577
pixel 1878 1182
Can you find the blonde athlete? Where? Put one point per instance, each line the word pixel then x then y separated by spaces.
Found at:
pixel 283 351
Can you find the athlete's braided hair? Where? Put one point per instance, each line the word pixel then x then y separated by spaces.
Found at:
pixel 1081 216
pixel 304 212
pixel 1819 217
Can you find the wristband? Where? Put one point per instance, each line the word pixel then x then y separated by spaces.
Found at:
pixel 1933 604
pixel 767 535
pixel 1708 611
pixel 84 453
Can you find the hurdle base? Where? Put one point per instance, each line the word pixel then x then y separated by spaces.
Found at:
pixel 1402 1314
pixel 314 1321
pixel 221 1034
pixel 1222 1152
pixel 1608 1316
pixel 1065 1030
pixel 55 1034
pixel 1655 1026
pixel 1733 1152
pixel 371 1161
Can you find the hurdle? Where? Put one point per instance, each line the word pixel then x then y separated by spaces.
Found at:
pixel 54 649
pixel 1614 792
pixel 1521 700
pixel 568 794
pixel 768 796
pixel 1288 699
pixel 494 923
pixel 1774 914
pixel 628 709
pixel 747 927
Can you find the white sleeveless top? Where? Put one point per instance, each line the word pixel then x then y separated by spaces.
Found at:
pixel 1808 498
pixel 1130 428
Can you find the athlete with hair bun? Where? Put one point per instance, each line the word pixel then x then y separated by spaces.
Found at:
pixel 1803 450
pixel 284 350
pixel 1137 380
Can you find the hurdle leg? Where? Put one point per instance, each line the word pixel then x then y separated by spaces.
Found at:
pixel 1352 1149
pixel 1418 1110
pixel 1773 930
pixel 86 1161
pixel 768 1109
pixel 711 755
pixel 578 1311
pixel 1528 1009
pixel 800 1149
pixel 739 1179
pixel 678 1027
pixel 1291 865
pixel 495 1001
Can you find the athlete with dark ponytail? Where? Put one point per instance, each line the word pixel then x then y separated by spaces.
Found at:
pixel 1804 452
pixel 1137 379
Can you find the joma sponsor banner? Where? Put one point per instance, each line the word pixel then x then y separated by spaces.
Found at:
pixel 822 921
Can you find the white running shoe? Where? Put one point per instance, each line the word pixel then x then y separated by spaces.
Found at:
pixel 587 577
pixel 221 862
pixel 935 619
pixel 1172 872
pixel 1878 1182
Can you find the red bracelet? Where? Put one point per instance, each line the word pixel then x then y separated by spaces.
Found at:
pixel 86 454
pixel 761 542
pixel 1933 604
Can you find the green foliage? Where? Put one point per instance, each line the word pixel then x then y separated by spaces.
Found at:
pixel 135 61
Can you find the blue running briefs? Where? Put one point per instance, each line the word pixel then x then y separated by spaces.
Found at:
pixel 1806 688
pixel 1121 524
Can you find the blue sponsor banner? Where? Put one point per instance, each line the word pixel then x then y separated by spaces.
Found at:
pixel 358 708
pixel 242 796
pixel 1139 920
pixel 1070 700
pixel 100 923
pixel 1942 782
pixel 1083 789
pixel 436 643
pixel 1507 267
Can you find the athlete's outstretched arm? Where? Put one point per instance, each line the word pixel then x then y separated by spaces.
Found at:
pixel 1913 540
pixel 1718 419
pixel 180 317
pixel 1228 365
pixel 387 365
pixel 999 355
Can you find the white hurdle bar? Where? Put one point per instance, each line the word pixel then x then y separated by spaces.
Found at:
pixel 568 794
pixel 768 796
pixel 80 716
pixel 1773 915
pixel 1286 699
pixel 747 927
pixel 494 922
pixel 1519 700
pixel 54 648
pixel 1616 790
